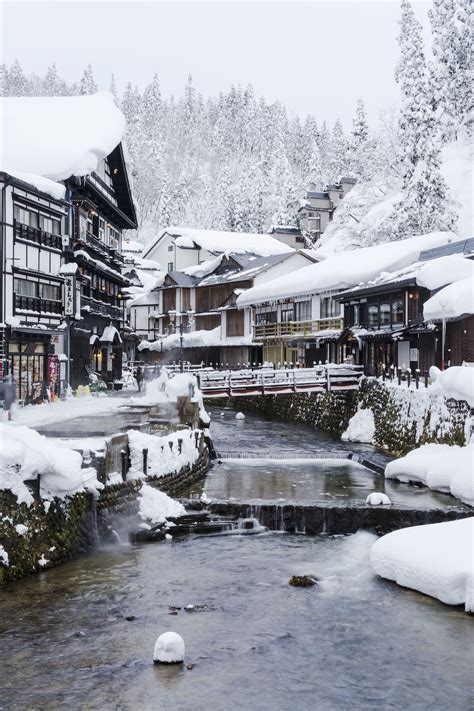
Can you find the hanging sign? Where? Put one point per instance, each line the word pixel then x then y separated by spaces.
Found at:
pixel 69 294
pixel 53 375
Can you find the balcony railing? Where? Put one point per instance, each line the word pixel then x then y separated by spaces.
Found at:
pixel 291 329
pixel 40 306
pixel 33 234
pixel 96 307
pixel 95 243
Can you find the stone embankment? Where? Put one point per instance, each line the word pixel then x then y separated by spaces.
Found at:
pixel 46 534
pixel 404 418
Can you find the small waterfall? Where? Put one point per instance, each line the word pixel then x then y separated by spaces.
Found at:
pixel 94 527
pixel 324 522
pixel 114 536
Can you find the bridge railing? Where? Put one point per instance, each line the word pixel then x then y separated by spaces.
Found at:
pixel 268 382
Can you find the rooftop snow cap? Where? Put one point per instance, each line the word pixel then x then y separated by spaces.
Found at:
pixel 342 270
pixel 57 137
pixel 217 242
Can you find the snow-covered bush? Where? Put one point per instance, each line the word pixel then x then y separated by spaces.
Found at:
pixel 156 506
pixel 361 427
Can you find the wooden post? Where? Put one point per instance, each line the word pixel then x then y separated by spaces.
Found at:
pixel 426 378
pixel 145 460
pixel 123 457
pixel 417 378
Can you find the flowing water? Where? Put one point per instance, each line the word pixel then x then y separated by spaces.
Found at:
pixel 354 641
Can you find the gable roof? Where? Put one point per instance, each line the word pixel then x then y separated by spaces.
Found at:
pixel 218 242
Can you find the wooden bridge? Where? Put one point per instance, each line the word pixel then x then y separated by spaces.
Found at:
pixel 266 381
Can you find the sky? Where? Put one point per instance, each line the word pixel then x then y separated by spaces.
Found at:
pixel 316 57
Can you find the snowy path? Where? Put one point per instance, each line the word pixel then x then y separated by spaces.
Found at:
pixel 37 415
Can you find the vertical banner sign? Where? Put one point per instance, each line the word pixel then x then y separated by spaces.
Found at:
pixel 53 375
pixel 69 293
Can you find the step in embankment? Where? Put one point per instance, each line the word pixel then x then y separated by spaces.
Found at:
pixel 331 518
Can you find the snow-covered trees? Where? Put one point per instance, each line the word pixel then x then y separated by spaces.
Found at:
pixel 87 84
pixel 451 72
pixel 425 204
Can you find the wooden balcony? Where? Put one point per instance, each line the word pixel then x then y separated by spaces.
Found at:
pixel 293 329
pixel 40 237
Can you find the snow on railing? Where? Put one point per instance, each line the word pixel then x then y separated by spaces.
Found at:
pixel 266 381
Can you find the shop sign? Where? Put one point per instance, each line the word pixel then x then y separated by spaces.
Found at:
pixel 69 293
pixel 53 376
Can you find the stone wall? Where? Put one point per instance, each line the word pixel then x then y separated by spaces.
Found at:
pixel 56 532
pixel 62 530
pixel 404 419
pixel 120 500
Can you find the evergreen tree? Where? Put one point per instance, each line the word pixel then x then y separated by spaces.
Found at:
pixel 339 158
pixel 87 85
pixel 412 77
pixel 16 82
pixel 53 84
pixel 313 178
pixel 113 88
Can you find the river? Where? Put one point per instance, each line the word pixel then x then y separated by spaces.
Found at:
pixel 354 641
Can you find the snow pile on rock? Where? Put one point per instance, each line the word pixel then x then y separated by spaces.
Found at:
pixel 443 467
pixel 456 382
pixel 162 458
pixel 4 559
pixel 436 560
pixel 240 416
pixel 25 455
pixel 165 389
pixel 361 427
pixel 169 648
pixel 378 499
pixel 156 506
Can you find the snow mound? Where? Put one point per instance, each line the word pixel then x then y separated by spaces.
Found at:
pixel 361 427
pixel 456 382
pixel 164 455
pixel 156 506
pixel 443 467
pixel 240 416
pixel 29 455
pixel 378 499
pixel 435 559
pixel 454 301
pixel 169 648
pixel 165 390
pixel 69 134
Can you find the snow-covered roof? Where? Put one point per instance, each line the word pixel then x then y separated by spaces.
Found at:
pixel 345 269
pixel 110 334
pixel 453 301
pixel 445 270
pixel 70 268
pixel 130 246
pixel 57 137
pixel 217 242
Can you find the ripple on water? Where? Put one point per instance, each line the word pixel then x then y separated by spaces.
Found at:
pixel 352 641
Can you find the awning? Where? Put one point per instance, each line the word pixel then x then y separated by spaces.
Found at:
pixel 110 335
pixel 94 339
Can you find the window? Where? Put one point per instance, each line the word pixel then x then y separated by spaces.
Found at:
pixel 170 248
pixel 397 310
pixel 329 307
pixel 24 288
pixel 373 315
pixel 49 291
pixel 303 310
pixel 49 224
pixel 287 314
pixel 170 266
pixel 101 229
pixel 262 319
pixel 356 312
pixel 384 312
